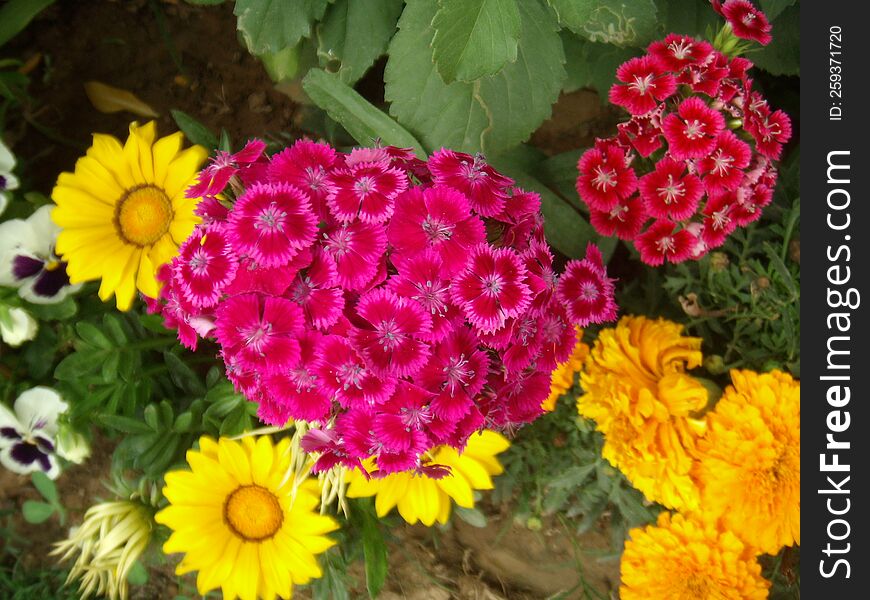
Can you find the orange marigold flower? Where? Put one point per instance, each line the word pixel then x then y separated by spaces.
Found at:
pixel 749 467
pixel 637 392
pixel 683 559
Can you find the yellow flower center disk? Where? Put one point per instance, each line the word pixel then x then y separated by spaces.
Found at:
pixel 253 513
pixel 143 215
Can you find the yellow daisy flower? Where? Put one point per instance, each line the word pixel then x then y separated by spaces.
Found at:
pixel 562 378
pixel 237 520
pixel 123 213
pixel 638 394
pixel 749 467
pixel 683 559
pixel 421 498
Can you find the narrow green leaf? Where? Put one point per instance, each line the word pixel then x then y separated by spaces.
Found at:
pixel 123 424
pixel 92 335
pixel 16 14
pixel 45 486
pixel 270 25
pixel 183 422
pixel 355 33
pixel 195 131
pixel 182 375
pixel 36 512
pixel 374 551
pixel 472 516
pixel 151 417
pixel 474 38
pixel 362 120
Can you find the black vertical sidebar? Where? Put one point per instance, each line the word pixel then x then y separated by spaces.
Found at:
pixel 835 357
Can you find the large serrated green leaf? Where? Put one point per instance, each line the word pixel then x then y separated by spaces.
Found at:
pixel 474 38
pixel 490 114
pixel 356 33
pixel 591 64
pixel 773 8
pixel 362 120
pixel 618 22
pixel 271 25
pixel 689 17
pixel 782 55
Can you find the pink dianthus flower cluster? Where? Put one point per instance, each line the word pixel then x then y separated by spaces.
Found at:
pixel 696 159
pixel 396 304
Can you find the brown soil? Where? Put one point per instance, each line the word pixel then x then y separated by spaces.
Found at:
pixel 121 43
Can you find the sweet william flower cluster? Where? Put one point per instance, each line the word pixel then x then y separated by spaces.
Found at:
pixel 396 304
pixel 697 157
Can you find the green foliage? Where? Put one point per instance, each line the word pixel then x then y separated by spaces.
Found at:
pixel 362 120
pixel 195 131
pixel 374 545
pixel 16 14
pixel 475 38
pixel 492 113
pixel 782 55
pixel 555 467
pixel 744 300
pixel 35 511
pixel 617 22
pixel 355 33
pixel 271 25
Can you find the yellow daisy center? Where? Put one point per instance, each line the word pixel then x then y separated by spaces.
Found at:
pixel 143 215
pixel 253 513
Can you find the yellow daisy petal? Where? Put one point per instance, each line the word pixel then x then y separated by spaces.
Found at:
pixel 182 170
pixel 164 151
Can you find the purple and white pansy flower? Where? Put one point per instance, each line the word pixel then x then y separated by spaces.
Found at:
pixel 8 181
pixel 28 435
pixel 28 261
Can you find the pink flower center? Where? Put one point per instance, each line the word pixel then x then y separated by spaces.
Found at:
pixel 339 243
pixel 431 296
pixel 315 177
pixel 694 129
pixel 415 417
pixel 673 191
pixel 665 244
pixel 271 219
pixel 619 213
pixel 604 178
pixel 748 19
pixel 457 373
pixel 199 262
pixel 589 291
pixel 721 218
pixel 304 379
pixel 680 49
pixel 364 185
pixel 257 335
pixel 302 289
pixel 473 171
pixel 492 284
pixel 642 84
pixel 349 375
pixel 389 334
pixel 721 163
pixel 436 230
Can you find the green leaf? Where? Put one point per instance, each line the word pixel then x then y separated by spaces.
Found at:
pixel 618 22
pixel 109 367
pixel 271 25
pixel 472 516
pixel 123 424
pixel 92 335
pixel 491 114
pixel 564 226
pixel 474 38
pixel 183 422
pixel 36 512
pixel 182 375
pixel 16 14
pixel 203 3
pixel 45 486
pixel 374 551
pixel 689 17
pixel 782 55
pixel 76 365
pixel 138 574
pixel 592 65
pixel 773 8
pixel 356 33
pixel 62 311
pixel 195 131
pixel 151 417
pixel 225 144
pixel 362 120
